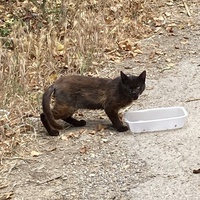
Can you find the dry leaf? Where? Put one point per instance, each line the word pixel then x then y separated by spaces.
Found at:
pixel 159 21
pixel 51 149
pixel 6 196
pixel 100 127
pixel 169 29
pixel 52 77
pixel 2 8
pixel 64 137
pixel 170 64
pixel 125 45
pixel 152 55
pixel 133 54
pixel 82 131
pixel 168 14
pixel 83 149
pixel 26 128
pixel 116 7
pixel 3 186
pixel 166 68
pixel 35 153
pixel 59 46
pixel 172 25
pixel 92 132
pixel 73 135
pixel 168 60
pixel 159 52
pixel 171 3
pixel 138 51
pixel 104 140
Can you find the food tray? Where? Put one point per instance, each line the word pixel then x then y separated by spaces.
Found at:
pixel 156 119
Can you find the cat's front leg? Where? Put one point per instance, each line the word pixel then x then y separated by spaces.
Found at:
pixel 114 118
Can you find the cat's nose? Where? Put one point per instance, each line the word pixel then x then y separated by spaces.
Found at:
pixel 135 95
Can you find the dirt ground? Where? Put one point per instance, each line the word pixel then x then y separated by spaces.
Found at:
pixel 85 164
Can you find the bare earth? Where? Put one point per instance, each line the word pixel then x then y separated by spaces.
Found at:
pixel 84 164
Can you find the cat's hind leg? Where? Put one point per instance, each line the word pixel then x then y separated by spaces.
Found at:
pixel 75 122
pixel 45 123
pixel 65 112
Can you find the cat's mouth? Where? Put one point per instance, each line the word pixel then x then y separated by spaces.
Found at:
pixel 135 97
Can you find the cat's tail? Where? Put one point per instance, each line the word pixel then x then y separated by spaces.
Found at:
pixel 47 109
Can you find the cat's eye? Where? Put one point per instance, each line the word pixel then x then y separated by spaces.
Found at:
pixel 138 88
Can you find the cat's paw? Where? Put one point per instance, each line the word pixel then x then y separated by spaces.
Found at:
pixel 53 133
pixel 122 129
pixel 80 123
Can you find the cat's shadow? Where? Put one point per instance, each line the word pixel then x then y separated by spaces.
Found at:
pixel 91 125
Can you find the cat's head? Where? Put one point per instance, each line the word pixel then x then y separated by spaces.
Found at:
pixel 133 86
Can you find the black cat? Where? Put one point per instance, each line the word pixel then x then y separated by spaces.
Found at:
pixel 80 92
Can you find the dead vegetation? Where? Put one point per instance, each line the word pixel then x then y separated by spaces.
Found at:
pixel 39 40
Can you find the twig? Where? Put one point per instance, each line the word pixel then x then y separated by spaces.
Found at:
pixel 49 180
pixel 3 186
pixel 18 158
pixel 6 196
pixel 186 7
pixel 190 100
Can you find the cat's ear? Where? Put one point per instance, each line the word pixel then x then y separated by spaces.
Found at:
pixel 142 76
pixel 124 77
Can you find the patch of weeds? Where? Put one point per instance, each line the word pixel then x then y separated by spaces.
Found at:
pixel 4 31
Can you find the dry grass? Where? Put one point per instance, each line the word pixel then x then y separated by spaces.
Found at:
pixel 39 40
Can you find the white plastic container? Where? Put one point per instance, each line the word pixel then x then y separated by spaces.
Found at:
pixel 156 119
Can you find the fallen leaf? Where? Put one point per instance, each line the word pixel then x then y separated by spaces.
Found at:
pixel 35 153
pixel 168 14
pixel 172 25
pixel 168 60
pixel 59 46
pixel 133 54
pixel 116 7
pixel 159 52
pixel 64 137
pixel 73 135
pixel 26 128
pixel 171 3
pixel 159 21
pixel 2 8
pixel 82 131
pixel 152 55
pixel 51 149
pixel 83 149
pixel 3 186
pixel 104 140
pixel 138 51
pixel 126 166
pixel 125 45
pixel 52 77
pixel 169 29
pixel 92 132
pixel 170 65
pixel 100 127
pixel 166 68
pixel 6 196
